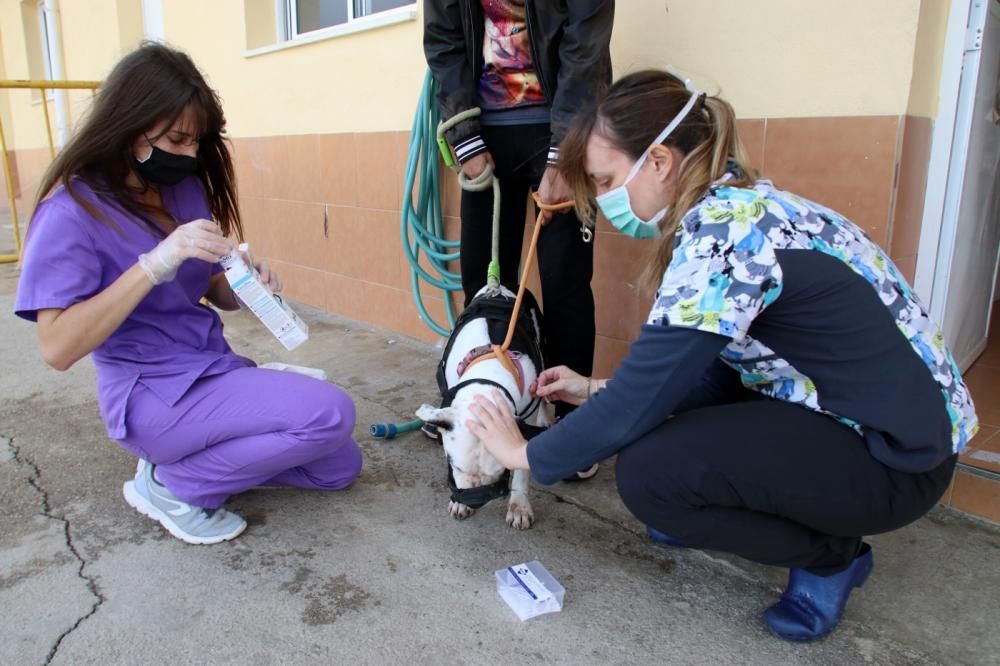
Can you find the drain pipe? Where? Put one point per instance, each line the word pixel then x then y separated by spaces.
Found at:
pixel 51 11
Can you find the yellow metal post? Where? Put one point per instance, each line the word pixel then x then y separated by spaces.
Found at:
pixel 48 125
pixel 10 258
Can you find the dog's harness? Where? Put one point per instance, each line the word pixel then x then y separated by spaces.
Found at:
pixel 524 333
pixel 525 342
pixel 497 311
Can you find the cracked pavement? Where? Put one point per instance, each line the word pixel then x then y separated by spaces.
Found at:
pixel 380 574
pixel 62 528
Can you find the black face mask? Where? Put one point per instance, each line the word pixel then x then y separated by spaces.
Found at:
pixel 163 168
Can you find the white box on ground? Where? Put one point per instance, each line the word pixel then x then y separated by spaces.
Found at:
pixel 530 590
pixel 275 314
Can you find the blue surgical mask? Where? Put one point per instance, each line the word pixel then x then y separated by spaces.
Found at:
pixel 616 204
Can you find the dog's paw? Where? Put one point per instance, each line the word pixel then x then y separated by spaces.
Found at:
pixel 459 511
pixel 519 514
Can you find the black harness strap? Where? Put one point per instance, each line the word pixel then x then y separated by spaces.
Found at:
pixel 449 395
pixel 529 431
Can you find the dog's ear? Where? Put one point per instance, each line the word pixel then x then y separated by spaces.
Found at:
pixel 442 418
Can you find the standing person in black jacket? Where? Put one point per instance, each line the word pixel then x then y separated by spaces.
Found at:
pixel 529 65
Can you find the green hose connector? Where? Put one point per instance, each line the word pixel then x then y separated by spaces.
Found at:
pixel 390 430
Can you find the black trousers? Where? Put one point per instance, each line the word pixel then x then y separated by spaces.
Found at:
pixel 769 481
pixel 565 262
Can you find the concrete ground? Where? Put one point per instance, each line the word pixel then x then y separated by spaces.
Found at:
pixel 380 574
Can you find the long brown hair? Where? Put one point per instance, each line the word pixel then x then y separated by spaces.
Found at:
pixel 152 84
pixel 630 116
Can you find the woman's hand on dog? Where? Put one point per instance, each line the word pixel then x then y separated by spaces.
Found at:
pixel 562 384
pixel 496 428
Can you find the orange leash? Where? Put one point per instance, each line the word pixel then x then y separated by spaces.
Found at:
pixel 500 353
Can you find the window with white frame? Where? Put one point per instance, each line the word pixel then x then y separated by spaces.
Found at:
pixel 298 17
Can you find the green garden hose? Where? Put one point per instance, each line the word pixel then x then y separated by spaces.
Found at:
pixel 421 225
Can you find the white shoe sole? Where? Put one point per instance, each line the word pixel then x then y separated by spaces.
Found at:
pixel 143 506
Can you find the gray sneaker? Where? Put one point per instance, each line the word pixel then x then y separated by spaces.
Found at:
pixel 188 523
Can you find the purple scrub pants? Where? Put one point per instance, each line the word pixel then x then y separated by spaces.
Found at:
pixel 248 427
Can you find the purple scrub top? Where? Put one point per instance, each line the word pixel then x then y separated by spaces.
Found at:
pixel 170 340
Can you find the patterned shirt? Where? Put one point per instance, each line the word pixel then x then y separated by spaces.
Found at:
pixel 727 270
pixel 508 79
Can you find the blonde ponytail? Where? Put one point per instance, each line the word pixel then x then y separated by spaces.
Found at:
pixel 718 152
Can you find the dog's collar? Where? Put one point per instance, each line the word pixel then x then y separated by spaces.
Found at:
pixel 474 354
pixel 475 498
pixel 484 352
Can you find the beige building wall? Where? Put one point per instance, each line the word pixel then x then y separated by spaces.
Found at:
pixel 24 127
pixel 20 57
pixel 827 94
pixel 927 58
pixel 779 58
pixel 95 34
pixel 363 82
pixel 915 138
pixel 770 58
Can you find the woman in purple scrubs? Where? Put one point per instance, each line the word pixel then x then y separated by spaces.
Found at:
pixel 132 218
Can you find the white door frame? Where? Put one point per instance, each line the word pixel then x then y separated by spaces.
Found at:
pixel 936 232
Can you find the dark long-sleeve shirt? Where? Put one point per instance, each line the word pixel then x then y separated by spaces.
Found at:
pixel 801 306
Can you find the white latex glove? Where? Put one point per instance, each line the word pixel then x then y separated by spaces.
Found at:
pixel 200 239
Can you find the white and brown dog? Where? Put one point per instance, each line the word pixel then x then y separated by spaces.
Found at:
pixel 469 368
